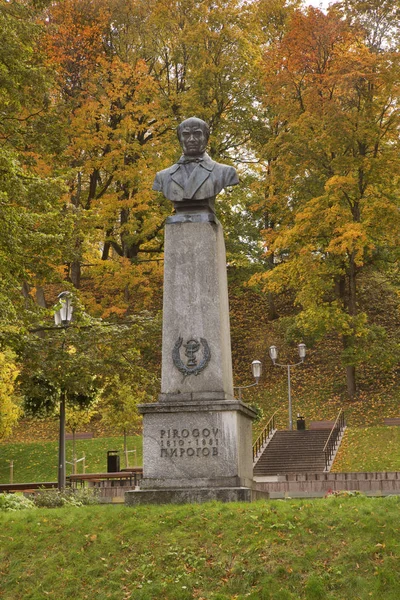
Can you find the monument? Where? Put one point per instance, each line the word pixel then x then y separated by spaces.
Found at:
pixel 197 441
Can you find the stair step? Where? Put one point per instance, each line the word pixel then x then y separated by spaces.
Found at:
pixel 293 451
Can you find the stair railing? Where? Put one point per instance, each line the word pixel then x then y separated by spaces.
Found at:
pixel 264 436
pixel 332 441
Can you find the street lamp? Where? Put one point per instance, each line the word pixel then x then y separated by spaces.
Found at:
pixel 63 314
pixel 62 317
pixel 256 368
pixel 273 352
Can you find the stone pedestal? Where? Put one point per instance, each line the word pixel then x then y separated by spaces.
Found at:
pixel 197 442
pixel 196 308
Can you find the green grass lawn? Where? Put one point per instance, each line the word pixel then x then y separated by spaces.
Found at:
pixel 38 461
pixel 369 449
pixel 337 548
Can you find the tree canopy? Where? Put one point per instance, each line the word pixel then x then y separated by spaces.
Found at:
pixel 303 102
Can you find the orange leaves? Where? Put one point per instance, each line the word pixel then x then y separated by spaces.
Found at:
pixel 311 42
pixel 303 62
pixel 74 41
pixel 333 168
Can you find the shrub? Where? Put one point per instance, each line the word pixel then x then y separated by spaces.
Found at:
pixel 49 499
pixel 57 499
pixel 15 502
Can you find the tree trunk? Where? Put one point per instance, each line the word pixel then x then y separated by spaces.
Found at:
pixel 76 273
pixel 352 309
pixel 40 297
pixel 352 303
pixel 351 380
pixel 107 245
pixel 25 292
pixel 346 290
pixel 75 266
pixel 272 312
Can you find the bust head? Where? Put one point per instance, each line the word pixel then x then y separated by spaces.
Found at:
pixel 193 136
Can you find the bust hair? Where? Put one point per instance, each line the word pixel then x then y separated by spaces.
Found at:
pixel 193 121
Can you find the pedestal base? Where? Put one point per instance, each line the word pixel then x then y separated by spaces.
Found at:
pixel 188 496
pixel 203 444
pixel 195 452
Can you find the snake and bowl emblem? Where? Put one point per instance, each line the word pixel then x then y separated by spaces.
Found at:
pixel 192 366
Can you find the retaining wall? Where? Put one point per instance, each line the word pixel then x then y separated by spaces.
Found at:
pixel 292 485
pixel 309 485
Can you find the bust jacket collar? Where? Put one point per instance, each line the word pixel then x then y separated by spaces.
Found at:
pixel 207 163
pixel 197 178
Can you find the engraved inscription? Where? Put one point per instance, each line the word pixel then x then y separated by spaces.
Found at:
pixel 197 442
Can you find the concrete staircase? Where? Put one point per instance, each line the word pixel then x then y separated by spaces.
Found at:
pixel 293 452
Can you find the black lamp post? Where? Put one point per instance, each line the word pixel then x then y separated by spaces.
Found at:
pixel 62 318
pixel 256 368
pixel 273 352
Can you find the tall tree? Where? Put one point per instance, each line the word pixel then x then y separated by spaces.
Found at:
pixel 29 212
pixel 108 103
pixel 126 74
pixel 336 161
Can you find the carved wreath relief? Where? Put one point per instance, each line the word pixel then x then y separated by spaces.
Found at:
pixel 192 347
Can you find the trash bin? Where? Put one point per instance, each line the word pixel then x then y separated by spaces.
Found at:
pixel 301 423
pixel 113 461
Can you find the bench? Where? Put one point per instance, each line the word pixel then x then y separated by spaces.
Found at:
pixel 392 421
pixel 79 436
pixel 134 475
pixel 321 424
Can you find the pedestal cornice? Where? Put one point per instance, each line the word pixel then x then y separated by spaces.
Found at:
pixel 210 405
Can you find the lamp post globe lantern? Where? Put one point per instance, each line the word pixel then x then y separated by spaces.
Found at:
pixel 62 318
pixel 273 352
pixel 63 314
pixel 256 368
pixel 302 351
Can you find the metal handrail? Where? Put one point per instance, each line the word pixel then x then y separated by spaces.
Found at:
pixel 331 442
pixel 264 436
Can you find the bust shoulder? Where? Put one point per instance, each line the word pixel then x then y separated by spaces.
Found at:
pixel 167 171
pixel 228 173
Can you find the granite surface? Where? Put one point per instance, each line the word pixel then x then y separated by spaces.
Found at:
pixel 189 496
pixel 186 443
pixel 196 310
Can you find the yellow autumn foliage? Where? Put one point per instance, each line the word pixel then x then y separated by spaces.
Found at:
pixel 9 407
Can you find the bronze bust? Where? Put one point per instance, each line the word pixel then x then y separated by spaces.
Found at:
pixel 195 180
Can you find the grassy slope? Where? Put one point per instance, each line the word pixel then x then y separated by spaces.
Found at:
pixel 318 385
pixel 369 449
pixel 38 461
pixel 329 549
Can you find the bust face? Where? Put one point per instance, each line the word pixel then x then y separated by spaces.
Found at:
pixel 193 139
